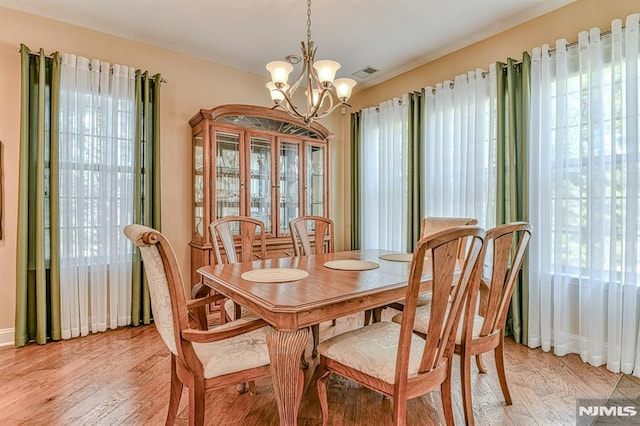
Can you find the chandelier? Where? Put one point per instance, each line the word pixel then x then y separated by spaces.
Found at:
pixel 324 92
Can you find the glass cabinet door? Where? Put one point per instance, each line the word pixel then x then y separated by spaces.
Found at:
pixel 227 174
pixel 260 181
pixel 198 185
pixel 315 180
pixel 289 184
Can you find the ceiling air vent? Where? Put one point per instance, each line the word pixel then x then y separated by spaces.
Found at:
pixel 365 72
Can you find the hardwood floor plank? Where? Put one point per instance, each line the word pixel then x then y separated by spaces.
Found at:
pixel 122 377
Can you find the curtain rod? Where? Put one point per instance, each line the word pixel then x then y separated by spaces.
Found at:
pixel 162 80
pixel 553 49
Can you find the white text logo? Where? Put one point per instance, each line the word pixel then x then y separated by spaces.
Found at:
pixel 599 410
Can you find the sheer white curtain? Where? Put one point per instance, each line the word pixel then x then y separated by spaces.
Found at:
pixel 460 147
pixel 96 194
pixel 384 195
pixel 584 257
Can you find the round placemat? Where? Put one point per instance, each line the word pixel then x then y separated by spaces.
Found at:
pixel 398 257
pixel 274 275
pixel 351 265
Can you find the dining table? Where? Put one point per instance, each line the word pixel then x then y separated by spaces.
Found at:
pixel 323 294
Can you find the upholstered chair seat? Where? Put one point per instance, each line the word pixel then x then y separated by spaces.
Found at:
pixel 373 350
pixel 234 354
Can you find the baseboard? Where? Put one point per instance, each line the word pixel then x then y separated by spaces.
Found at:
pixel 7 337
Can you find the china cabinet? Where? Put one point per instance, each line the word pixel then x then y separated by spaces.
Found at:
pixel 258 162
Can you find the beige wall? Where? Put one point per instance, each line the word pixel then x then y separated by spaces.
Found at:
pixel 192 84
pixel 565 23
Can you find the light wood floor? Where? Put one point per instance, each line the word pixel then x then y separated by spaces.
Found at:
pixel 122 377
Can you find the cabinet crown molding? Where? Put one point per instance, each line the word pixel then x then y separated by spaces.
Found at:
pixel 229 110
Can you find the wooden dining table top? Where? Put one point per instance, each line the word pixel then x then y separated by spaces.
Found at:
pixel 323 295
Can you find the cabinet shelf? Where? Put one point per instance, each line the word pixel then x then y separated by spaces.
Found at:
pixel 288 176
pixel 228 171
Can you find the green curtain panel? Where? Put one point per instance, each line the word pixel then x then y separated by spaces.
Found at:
pixel 355 182
pixel 512 192
pixel 37 266
pixel 416 169
pixel 37 272
pixel 147 183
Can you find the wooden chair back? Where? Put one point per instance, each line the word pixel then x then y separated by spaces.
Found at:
pixel 507 245
pixel 321 228
pixel 166 289
pixel 248 229
pixel 431 225
pixel 447 303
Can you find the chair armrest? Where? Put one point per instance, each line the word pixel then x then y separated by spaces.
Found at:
pixel 195 303
pixel 213 335
pixel 199 290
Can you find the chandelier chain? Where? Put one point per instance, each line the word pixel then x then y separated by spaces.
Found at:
pixel 308 22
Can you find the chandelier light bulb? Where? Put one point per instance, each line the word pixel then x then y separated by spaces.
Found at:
pixel 344 86
pixel 326 70
pixel 276 95
pixel 280 71
pixel 314 96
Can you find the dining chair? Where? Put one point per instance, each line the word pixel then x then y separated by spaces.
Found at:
pixel 301 230
pixel 201 360
pixel 429 226
pixel 482 327
pixel 388 357
pixel 234 239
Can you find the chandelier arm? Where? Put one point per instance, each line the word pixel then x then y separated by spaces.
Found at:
pixel 310 79
pixel 312 71
pixel 295 85
pixel 292 109
pixel 326 113
pixel 287 108
pixel 329 95
pixel 293 114
pixel 315 107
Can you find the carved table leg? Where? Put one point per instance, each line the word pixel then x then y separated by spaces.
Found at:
pixel 285 350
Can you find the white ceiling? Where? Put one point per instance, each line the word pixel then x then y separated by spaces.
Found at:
pixel 392 36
